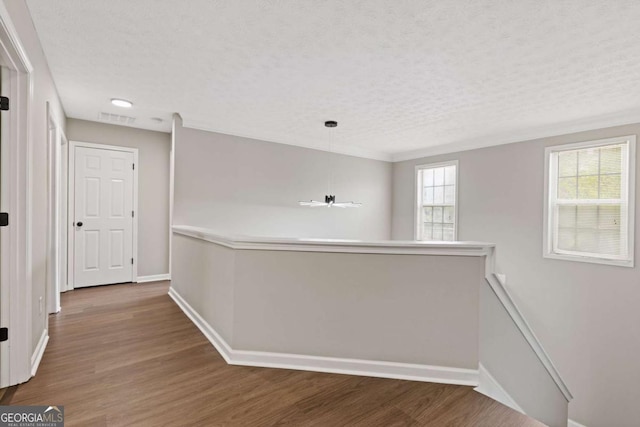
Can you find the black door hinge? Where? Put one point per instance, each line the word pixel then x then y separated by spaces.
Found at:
pixel 133 214
pixel 4 334
pixel 4 103
pixel 4 219
pixel 134 166
pixel 131 261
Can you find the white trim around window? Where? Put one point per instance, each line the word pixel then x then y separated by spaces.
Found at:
pixel 419 203
pixel 625 201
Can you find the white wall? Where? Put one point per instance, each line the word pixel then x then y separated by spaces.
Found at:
pixel 245 186
pixel 153 185
pixel 586 315
pixel 43 91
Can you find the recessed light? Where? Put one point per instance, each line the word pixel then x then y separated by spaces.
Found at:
pixel 121 103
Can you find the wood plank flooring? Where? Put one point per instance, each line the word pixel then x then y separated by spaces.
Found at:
pixel 125 355
pixel 6 394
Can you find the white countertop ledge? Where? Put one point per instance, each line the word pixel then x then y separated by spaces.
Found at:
pixel 403 247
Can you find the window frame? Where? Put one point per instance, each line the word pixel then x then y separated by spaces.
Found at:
pixel 628 183
pixel 417 195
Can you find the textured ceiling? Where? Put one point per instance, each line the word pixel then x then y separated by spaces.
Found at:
pixel 399 75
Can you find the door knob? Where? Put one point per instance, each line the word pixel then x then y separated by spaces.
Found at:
pixel 79 224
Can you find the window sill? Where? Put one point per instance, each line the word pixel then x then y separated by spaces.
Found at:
pixel 590 259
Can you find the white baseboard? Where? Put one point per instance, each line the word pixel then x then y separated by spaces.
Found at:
pixel 492 388
pixel 36 357
pixel 218 342
pixel 370 368
pixel 153 278
pixel 575 424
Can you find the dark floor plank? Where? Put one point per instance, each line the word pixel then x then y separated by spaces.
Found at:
pixel 126 355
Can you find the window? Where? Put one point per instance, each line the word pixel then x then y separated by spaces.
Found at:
pixel 436 196
pixel 589 210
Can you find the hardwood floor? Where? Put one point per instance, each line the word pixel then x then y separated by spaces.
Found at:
pixel 126 355
pixel 6 394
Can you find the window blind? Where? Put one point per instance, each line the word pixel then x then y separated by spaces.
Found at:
pixel 590 202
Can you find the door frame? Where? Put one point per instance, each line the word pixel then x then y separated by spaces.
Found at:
pixel 71 206
pixel 16 198
pixel 55 213
pixel 64 211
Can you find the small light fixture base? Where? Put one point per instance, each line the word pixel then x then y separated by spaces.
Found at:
pixel 121 103
pixel 331 123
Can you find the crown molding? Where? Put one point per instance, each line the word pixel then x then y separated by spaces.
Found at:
pixel 347 150
pixel 599 122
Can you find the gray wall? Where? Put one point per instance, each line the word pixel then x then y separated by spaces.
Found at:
pixel 43 91
pixel 586 315
pixel 203 274
pixel 507 356
pixel 153 185
pixel 399 308
pixel 245 186
pixel 420 309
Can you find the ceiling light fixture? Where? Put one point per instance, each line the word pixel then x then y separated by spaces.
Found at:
pixel 121 103
pixel 329 199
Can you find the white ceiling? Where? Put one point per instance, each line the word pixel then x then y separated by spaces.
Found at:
pixel 402 77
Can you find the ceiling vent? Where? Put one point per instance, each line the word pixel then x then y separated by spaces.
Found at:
pixel 116 118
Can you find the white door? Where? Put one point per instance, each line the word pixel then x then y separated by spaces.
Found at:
pixel 103 217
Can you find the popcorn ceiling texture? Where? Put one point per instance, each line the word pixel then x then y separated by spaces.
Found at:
pixel 399 75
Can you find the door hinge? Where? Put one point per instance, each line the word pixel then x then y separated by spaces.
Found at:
pixel 4 219
pixel 134 166
pixel 4 334
pixel 133 214
pixel 131 261
pixel 4 103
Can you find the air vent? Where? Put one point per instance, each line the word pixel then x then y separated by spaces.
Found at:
pixel 116 118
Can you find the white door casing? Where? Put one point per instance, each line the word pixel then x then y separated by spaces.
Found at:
pixel 103 200
pixel 15 198
pixel 53 214
pixel 63 224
